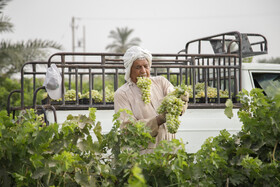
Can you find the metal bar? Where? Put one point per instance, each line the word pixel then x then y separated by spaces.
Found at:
pixel 168 73
pixel 34 77
pixel 218 84
pixel 90 86
pixel 193 84
pixel 116 80
pixel 81 83
pixel 229 83
pixel 9 100
pixel 35 95
pixel 235 80
pixel 76 86
pixel 103 80
pixel 62 87
pixel 205 85
pixel 224 72
pixel 214 73
pixel 69 78
pixel 22 87
pixel 45 115
pixel 208 72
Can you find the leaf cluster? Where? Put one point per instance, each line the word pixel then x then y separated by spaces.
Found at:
pixel 76 153
pixel 7 85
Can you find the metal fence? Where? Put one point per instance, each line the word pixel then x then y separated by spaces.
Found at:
pixel 220 69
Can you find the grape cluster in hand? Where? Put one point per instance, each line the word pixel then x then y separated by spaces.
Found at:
pixel 144 83
pixel 172 106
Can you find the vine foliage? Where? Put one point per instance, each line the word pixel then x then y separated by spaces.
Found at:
pixel 77 153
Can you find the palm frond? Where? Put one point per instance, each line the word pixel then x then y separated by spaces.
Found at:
pixel 14 55
pixel 121 40
pixel 5 24
pixel 3 3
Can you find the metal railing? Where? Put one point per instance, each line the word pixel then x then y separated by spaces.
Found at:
pixel 221 70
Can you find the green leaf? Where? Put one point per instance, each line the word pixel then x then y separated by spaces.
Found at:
pixel 228 110
pixel 92 115
pixel 40 172
pixel 97 131
pixel 36 160
pixel 81 178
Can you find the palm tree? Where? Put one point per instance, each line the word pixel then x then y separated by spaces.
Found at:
pixel 14 55
pixel 121 40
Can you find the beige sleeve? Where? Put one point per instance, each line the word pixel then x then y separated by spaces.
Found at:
pixel 121 102
pixel 166 85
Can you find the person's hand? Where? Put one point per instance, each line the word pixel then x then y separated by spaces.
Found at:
pixel 185 98
pixel 161 119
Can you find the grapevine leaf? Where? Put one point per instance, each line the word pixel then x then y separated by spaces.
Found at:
pixel 97 131
pixel 81 178
pixel 39 173
pixel 70 117
pixel 228 109
pixel 92 115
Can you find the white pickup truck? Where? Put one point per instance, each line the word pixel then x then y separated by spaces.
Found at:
pixel 197 124
pixel 216 61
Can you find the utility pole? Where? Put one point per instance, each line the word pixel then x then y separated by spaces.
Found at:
pixel 84 41
pixel 81 42
pixel 73 37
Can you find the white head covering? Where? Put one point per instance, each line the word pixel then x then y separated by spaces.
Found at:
pixel 132 54
pixel 53 82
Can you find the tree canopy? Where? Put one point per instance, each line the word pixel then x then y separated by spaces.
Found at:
pixel 14 55
pixel 122 41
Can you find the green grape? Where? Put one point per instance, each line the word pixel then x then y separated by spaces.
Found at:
pixel 96 95
pixel 172 123
pixel 70 95
pixel 172 105
pixel 109 97
pixel 224 94
pixel 190 91
pixel 199 86
pixel 144 83
pixel 211 92
pixel 200 94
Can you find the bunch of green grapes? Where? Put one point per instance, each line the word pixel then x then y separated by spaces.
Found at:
pixel 200 94
pixel 172 106
pixel 144 83
pixel 224 93
pixel 199 86
pixel 95 94
pixel 211 92
pixel 179 90
pixel 109 97
pixel 70 95
pixel 190 91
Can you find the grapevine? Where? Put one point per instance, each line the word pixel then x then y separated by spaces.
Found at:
pixel 144 83
pixel 172 105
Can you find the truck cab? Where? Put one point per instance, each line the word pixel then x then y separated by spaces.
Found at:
pixel 263 76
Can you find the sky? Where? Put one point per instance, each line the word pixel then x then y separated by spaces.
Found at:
pixel 164 26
